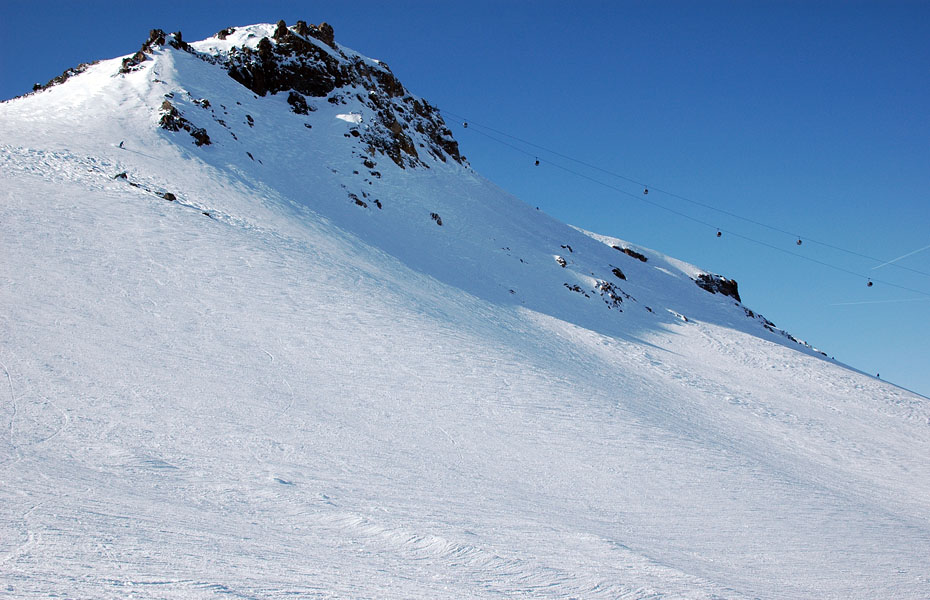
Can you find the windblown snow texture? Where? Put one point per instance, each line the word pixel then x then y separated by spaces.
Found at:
pixel 265 334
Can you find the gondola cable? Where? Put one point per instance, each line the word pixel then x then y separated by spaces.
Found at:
pixel 647 189
pixel 719 231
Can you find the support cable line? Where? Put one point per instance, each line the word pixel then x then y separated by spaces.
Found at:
pixel 719 231
pixel 645 187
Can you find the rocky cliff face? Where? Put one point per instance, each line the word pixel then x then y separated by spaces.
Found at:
pixel 304 61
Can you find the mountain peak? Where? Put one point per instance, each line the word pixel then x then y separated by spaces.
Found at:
pixel 261 99
pixel 304 62
pixel 232 330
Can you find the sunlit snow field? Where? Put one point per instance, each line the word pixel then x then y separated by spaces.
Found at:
pixel 295 396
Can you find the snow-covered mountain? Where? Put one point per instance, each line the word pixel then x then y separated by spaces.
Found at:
pixel 265 333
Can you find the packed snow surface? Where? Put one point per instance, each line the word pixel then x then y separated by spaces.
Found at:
pixel 273 386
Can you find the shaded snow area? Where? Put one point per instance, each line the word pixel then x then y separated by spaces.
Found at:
pixel 284 364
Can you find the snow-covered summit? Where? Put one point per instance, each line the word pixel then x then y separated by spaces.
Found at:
pixel 305 62
pixel 290 110
pixel 265 333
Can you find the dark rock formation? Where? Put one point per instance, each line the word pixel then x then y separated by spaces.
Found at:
pixel 325 34
pixel 358 201
pixel 281 31
pixel 631 252
pixel 718 283
pixel 298 103
pixel 200 136
pixel 304 60
pixel 612 295
pixel 172 120
pixel 301 28
pixel 290 61
pixel 157 37
pixel 69 73
pixel 310 69
pixel 577 289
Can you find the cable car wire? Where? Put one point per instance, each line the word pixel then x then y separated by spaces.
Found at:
pixel 643 198
pixel 647 189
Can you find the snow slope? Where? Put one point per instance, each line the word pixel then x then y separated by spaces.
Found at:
pixel 271 386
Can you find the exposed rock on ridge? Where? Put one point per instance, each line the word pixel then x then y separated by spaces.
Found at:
pixel 172 120
pixel 67 74
pixel 157 37
pixel 718 283
pixel 305 61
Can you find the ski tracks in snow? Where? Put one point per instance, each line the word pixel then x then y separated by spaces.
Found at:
pixel 12 442
pixel 26 422
pixel 30 424
pixel 58 165
pixel 510 572
pixel 33 539
pixel 100 174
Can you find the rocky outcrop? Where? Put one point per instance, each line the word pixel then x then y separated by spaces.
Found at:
pixel 718 284
pixel 305 61
pixel 157 37
pixel 611 294
pixel 577 289
pixel 68 74
pixel 631 253
pixel 291 62
pixel 172 120
pixel 298 103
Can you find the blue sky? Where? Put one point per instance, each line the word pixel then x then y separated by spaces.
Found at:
pixel 809 118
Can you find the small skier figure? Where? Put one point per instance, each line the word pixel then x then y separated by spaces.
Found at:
pixel 121 143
